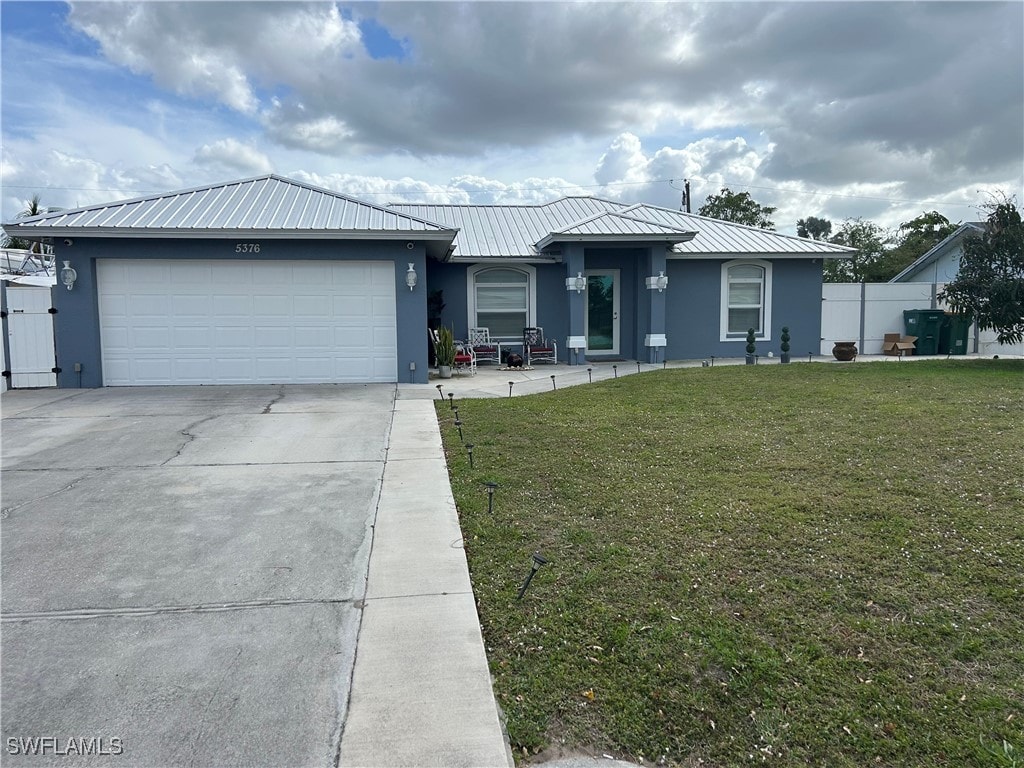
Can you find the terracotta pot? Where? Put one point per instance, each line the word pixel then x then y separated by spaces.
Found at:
pixel 845 350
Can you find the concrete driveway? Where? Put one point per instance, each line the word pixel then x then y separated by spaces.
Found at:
pixel 183 570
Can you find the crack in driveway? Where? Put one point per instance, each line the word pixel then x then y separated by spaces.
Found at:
pixel 187 433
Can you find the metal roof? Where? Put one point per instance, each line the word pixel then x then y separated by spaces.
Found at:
pixel 523 232
pixel 716 237
pixel 934 253
pixel 264 206
pixel 617 226
pixel 508 232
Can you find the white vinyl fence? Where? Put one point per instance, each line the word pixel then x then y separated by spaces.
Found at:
pixel 865 312
pixel 29 326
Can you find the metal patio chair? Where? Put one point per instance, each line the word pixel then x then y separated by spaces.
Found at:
pixel 537 348
pixel 486 350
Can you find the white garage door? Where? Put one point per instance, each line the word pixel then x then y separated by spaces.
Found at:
pixel 235 322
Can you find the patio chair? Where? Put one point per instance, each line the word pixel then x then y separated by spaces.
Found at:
pixel 486 351
pixel 465 358
pixel 537 348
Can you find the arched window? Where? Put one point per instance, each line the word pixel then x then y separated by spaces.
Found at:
pixel 501 299
pixel 746 299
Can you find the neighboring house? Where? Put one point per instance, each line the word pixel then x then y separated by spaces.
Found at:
pixel 942 263
pixel 271 280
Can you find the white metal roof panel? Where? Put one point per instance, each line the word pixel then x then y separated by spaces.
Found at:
pixel 265 204
pixel 724 237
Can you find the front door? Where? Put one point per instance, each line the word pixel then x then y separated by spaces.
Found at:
pixel 602 316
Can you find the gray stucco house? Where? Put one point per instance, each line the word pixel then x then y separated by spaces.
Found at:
pixel 271 280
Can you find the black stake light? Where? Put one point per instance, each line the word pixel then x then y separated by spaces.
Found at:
pixel 458 424
pixel 615 370
pixel 638 366
pixel 553 381
pixel 469 450
pixel 456 410
pixel 809 356
pixel 664 364
pixel 510 388
pixel 538 561
pixel 451 399
pixel 590 375
pixel 712 361
pixel 490 496
pixel 440 394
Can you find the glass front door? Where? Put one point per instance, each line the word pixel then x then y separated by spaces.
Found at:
pixel 602 312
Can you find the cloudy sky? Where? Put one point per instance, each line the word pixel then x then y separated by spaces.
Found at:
pixel 872 109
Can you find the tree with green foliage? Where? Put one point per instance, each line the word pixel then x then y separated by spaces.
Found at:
pixel 914 238
pixel 990 283
pixel 870 240
pixel 33 208
pixel 739 208
pixel 814 228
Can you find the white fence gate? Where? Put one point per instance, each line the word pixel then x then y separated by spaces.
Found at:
pixel 865 312
pixel 30 337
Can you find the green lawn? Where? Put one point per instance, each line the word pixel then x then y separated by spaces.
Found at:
pixel 805 565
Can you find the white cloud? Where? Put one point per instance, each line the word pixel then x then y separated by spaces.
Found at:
pixel 234 156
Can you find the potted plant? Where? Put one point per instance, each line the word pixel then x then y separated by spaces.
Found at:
pixel 445 352
pixel 785 344
pixel 751 349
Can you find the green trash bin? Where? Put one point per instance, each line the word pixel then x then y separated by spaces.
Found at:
pixel 953 334
pixel 925 324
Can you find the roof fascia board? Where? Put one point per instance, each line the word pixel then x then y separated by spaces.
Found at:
pixel 223 234
pixel 766 256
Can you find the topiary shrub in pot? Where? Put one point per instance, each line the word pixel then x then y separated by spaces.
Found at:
pixel 751 348
pixel 785 344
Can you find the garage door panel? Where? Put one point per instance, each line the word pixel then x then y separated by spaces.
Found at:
pixel 148 305
pixel 273 306
pixel 152 370
pixel 191 305
pixel 152 338
pixel 179 322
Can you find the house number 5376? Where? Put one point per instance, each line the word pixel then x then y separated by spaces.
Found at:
pixel 247 247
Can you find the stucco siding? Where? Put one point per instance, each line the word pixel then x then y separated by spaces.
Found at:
pixel 694 308
pixel 77 325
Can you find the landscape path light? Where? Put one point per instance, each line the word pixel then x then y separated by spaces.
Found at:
pixel 490 496
pixel 458 425
pixel 440 394
pixel 451 399
pixel 538 561
pixel 469 450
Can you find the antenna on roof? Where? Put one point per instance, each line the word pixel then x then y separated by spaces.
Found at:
pixel 686 195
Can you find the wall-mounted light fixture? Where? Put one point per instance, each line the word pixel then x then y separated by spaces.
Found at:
pixel 578 283
pixel 410 276
pixel 658 282
pixel 68 275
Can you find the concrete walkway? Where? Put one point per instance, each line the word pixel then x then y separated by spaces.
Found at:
pixel 421 691
pixel 492 381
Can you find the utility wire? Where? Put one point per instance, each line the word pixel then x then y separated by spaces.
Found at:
pixel 554 188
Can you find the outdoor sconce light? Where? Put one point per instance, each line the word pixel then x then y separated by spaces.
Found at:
pixel 490 496
pixel 410 276
pixel 538 561
pixel 469 450
pixel 658 282
pixel 68 275
pixel 578 283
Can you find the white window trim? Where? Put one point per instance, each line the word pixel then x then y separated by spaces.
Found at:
pixel 766 322
pixel 531 291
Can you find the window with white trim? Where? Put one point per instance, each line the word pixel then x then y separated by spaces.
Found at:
pixel 502 299
pixel 746 299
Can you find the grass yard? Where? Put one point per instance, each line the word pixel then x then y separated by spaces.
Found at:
pixel 801 565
